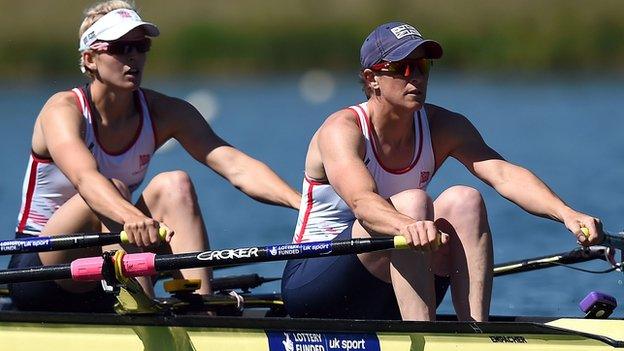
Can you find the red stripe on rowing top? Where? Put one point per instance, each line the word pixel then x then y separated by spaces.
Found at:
pixel 306 216
pixel 371 136
pixel 29 194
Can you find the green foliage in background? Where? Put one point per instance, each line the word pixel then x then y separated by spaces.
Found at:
pixel 39 38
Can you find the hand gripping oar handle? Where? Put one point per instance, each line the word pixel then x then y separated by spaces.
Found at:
pixel 615 240
pixel 162 235
pixel 65 242
pixel 142 264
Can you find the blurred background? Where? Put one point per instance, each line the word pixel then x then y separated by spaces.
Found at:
pixel 246 36
pixel 541 80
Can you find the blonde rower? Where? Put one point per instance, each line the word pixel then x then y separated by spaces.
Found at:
pixel 91 147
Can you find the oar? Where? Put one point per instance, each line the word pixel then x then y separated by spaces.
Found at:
pixel 244 282
pixel 65 242
pixel 143 264
pixel 577 255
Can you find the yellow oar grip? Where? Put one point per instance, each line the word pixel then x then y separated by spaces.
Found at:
pixel 585 231
pixel 162 235
pixel 400 242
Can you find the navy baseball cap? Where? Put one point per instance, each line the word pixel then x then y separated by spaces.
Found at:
pixel 394 41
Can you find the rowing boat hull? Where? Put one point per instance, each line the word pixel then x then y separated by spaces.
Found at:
pixel 68 332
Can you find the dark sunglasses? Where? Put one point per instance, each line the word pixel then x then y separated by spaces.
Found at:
pixel 406 68
pixel 123 47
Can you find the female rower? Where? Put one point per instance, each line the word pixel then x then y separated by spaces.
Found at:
pixel 366 175
pixel 91 147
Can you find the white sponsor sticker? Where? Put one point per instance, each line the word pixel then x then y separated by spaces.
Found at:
pixel 306 341
pixel 228 254
pixel 404 30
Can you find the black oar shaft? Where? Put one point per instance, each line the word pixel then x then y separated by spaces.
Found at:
pixel 148 264
pixel 575 256
pixel 32 274
pixel 270 253
pixel 55 243
pixel 66 242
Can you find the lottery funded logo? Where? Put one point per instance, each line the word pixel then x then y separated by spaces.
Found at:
pixel 304 341
pixel 317 248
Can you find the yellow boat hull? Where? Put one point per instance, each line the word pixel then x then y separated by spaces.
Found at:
pixel 271 334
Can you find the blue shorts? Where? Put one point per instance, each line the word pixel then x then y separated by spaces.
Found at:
pixel 341 287
pixel 48 296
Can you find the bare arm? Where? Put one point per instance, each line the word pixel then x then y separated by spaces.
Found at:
pixel 60 126
pixel 254 178
pixel 514 182
pixel 340 145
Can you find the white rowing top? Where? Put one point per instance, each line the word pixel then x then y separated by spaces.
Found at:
pixel 45 187
pixel 323 214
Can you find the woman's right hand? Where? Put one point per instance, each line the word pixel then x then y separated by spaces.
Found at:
pixel 423 235
pixel 143 231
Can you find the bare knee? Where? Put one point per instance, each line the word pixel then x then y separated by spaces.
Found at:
pixel 415 203
pixel 122 188
pixel 460 211
pixel 460 200
pixel 174 187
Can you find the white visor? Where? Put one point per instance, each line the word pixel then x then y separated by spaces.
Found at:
pixel 115 25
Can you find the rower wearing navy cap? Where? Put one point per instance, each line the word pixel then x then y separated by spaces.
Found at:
pixel 366 175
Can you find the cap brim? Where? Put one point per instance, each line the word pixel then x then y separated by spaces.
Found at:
pixel 433 50
pixel 119 31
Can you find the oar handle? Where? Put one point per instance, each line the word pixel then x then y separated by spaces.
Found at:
pixel 162 235
pixel 400 242
pixel 67 241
